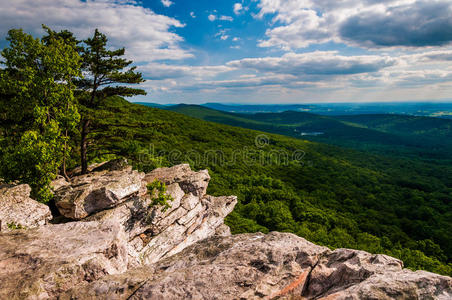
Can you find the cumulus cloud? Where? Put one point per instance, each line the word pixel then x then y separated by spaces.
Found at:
pixel 317 71
pixel 226 18
pixel 222 34
pixel 367 23
pixel 277 80
pixel 323 63
pixel 213 17
pixel 238 7
pixel 157 71
pixel 167 3
pixel 445 55
pixel 413 25
pixel 146 35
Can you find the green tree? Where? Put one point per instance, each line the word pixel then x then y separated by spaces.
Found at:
pixel 105 77
pixel 38 106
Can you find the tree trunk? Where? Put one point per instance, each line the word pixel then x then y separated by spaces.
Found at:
pixel 65 156
pixel 83 145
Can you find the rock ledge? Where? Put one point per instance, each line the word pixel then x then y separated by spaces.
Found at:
pixel 116 245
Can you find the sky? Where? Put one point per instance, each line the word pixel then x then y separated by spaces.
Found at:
pixel 265 51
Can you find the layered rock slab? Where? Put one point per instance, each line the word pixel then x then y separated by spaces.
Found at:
pixel 94 192
pixel 273 266
pixel 44 262
pixel 18 210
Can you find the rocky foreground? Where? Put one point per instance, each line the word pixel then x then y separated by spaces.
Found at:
pixel 112 243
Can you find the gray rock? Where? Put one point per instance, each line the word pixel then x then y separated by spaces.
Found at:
pixel 125 247
pixel 273 266
pixel 43 262
pixel 59 182
pixel 97 191
pixel 190 181
pixel 247 266
pixel 18 210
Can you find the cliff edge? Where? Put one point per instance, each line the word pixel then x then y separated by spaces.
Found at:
pixel 114 242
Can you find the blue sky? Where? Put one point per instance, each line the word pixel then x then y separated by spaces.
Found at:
pixel 266 51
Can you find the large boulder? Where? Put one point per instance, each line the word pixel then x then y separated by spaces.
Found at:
pixel 18 210
pixel 43 262
pixel 94 192
pixel 154 232
pixel 273 266
pixel 190 181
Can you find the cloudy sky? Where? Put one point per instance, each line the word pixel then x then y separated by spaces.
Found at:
pixel 265 51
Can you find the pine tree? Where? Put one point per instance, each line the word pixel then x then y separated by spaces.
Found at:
pixel 104 77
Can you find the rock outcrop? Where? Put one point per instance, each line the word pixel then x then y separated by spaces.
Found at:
pixel 273 266
pixel 94 192
pixel 116 228
pixel 44 262
pixel 18 210
pixel 117 244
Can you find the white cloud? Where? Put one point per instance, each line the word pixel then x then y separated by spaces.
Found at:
pixel 226 18
pixel 319 75
pixel 213 17
pixel 366 23
pixel 192 14
pixel 147 36
pixel 316 64
pixel 238 7
pixel 157 71
pixel 167 3
pixel 222 34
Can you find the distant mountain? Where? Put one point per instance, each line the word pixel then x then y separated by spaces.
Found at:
pixel 258 108
pixel 443 110
pixel 401 135
pixel 156 105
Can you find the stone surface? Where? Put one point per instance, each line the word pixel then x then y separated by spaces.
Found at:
pixel 59 182
pixel 273 266
pixel 96 191
pixel 127 248
pixel 17 209
pixel 43 262
pixel 190 181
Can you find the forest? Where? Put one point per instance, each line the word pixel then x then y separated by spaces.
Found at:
pixel 62 105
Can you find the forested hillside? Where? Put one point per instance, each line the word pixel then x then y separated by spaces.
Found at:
pixel 425 138
pixel 330 195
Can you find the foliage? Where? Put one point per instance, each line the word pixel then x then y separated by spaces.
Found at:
pixel 37 108
pixel 14 226
pixel 105 77
pixel 157 191
pixel 394 135
pixel 335 197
